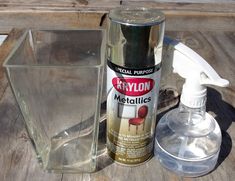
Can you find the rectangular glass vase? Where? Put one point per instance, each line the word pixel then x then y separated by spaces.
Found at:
pixel 56 77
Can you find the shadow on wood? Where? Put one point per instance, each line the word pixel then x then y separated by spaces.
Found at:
pixel 225 148
pixel 223 112
pixel 225 115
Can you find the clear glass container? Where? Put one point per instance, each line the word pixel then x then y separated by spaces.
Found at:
pixel 56 76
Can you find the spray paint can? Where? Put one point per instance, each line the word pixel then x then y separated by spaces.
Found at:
pixel 134 52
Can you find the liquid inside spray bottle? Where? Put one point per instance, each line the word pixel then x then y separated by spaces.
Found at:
pixel 134 52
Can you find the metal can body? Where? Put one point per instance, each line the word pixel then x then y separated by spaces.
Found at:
pixel 134 51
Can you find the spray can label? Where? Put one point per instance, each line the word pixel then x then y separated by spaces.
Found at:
pixel 131 112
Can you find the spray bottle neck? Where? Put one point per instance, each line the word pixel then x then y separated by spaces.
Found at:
pixel 193 112
pixel 193 93
pixel 193 103
pixel 189 121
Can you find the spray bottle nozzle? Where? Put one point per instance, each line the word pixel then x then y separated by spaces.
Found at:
pixel 197 72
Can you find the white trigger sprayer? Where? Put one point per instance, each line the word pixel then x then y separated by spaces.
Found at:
pixel 187 138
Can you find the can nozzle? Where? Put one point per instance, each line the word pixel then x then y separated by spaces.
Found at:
pixel 197 72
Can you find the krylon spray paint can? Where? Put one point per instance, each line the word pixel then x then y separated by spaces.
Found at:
pixel 134 52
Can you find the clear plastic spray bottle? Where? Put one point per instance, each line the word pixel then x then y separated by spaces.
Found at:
pixel 188 139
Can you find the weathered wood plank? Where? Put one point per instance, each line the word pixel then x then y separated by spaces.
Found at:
pixel 182 6
pixel 59 5
pixel 91 13
pixel 77 19
pixel 189 1
pixel 50 20
pixel 216 6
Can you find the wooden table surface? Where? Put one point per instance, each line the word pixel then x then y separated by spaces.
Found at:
pixel 216 44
